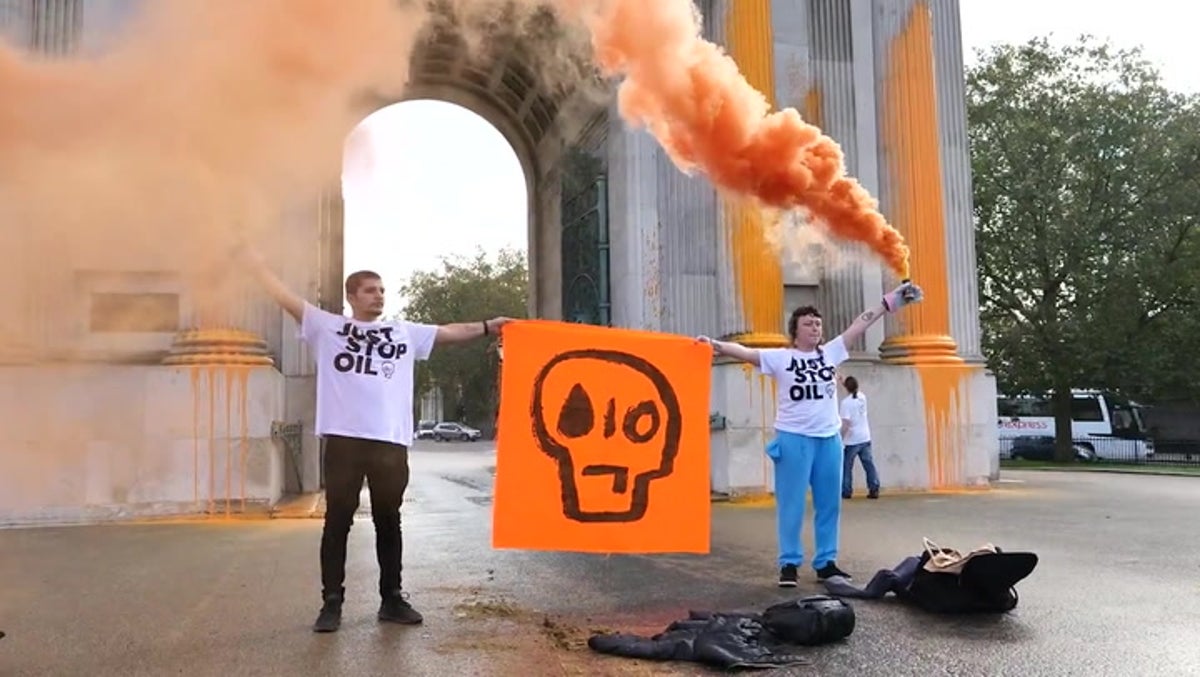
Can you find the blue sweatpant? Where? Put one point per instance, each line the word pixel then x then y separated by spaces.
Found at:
pixel 802 462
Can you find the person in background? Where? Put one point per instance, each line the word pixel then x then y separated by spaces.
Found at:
pixel 856 435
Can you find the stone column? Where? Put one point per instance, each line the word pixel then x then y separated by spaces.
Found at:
pixel 912 191
pixel 634 228
pixel 51 28
pixel 945 436
pixel 331 217
pixel 756 266
pixel 956 176
pixel 829 103
pixel 865 164
pixel 57 26
pixel 15 24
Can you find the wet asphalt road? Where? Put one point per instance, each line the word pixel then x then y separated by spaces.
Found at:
pixel 1117 591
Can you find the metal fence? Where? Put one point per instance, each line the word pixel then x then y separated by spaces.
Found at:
pixel 1105 450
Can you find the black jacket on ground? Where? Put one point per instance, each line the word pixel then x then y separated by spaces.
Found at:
pixel 739 640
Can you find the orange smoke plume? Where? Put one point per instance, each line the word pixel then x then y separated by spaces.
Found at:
pixel 197 116
pixel 691 96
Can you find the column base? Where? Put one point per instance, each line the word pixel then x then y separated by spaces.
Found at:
pixel 233 347
pixel 933 426
pixel 920 349
pixel 744 401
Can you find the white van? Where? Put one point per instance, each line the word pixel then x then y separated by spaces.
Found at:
pixel 1104 426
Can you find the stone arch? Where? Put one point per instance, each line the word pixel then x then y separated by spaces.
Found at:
pixel 501 85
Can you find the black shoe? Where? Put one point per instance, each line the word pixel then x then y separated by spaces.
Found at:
pixel 829 571
pixel 787 576
pixel 396 609
pixel 330 618
pixel 847 496
pixel 873 494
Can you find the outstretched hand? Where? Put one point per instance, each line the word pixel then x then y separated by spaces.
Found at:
pixel 496 324
pixel 715 345
pixel 902 296
pixel 243 253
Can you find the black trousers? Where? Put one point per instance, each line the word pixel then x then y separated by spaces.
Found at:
pixel 348 461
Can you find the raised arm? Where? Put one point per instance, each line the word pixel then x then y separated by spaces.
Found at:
pixel 461 332
pixel 893 301
pixel 286 298
pixel 735 350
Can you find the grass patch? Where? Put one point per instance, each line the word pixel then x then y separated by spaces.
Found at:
pixel 1079 466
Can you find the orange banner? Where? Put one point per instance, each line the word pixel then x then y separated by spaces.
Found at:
pixel 603 443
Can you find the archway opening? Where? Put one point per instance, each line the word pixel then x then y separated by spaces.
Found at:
pixel 436 201
pixel 425 180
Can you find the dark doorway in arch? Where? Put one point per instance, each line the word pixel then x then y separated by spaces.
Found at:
pixel 585 244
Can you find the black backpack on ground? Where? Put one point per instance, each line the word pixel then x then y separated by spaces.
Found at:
pixel 986 584
pixel 810 621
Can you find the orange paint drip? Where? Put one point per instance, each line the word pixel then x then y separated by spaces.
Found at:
pixel 915 177
pixel 756 265
pixel 759 276
pixel 914 169
pixel 235 379
pixel 945 412
pixel 708 117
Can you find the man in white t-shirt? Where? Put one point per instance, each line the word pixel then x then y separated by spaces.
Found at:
pixel 364 414
pixel 856 435
pixel 807 448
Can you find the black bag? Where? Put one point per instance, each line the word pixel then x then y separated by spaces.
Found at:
pixel 986 584
pixel 810 621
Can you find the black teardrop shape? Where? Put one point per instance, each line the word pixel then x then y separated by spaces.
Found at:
pixel 576 417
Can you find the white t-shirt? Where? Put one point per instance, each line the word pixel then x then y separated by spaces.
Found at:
pixel 805 387
pixel 365 374
pixel 854 410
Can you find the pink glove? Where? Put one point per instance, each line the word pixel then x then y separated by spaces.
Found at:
pixel 901 296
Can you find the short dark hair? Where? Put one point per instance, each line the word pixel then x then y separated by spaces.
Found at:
pixel 794 320
pixel 356 280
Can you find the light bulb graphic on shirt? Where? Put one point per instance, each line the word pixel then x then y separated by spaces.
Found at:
pixel 388 368
pixel 612 423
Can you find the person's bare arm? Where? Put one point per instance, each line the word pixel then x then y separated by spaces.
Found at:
pixel 461 332
pixel 735 350
pixel 286 298
pixel 893 301
pixel 862 323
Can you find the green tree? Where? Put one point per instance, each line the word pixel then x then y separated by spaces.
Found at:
pixel 464 290
pixel 1085 172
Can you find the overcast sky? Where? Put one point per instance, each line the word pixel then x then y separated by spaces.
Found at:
pixel 434 179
